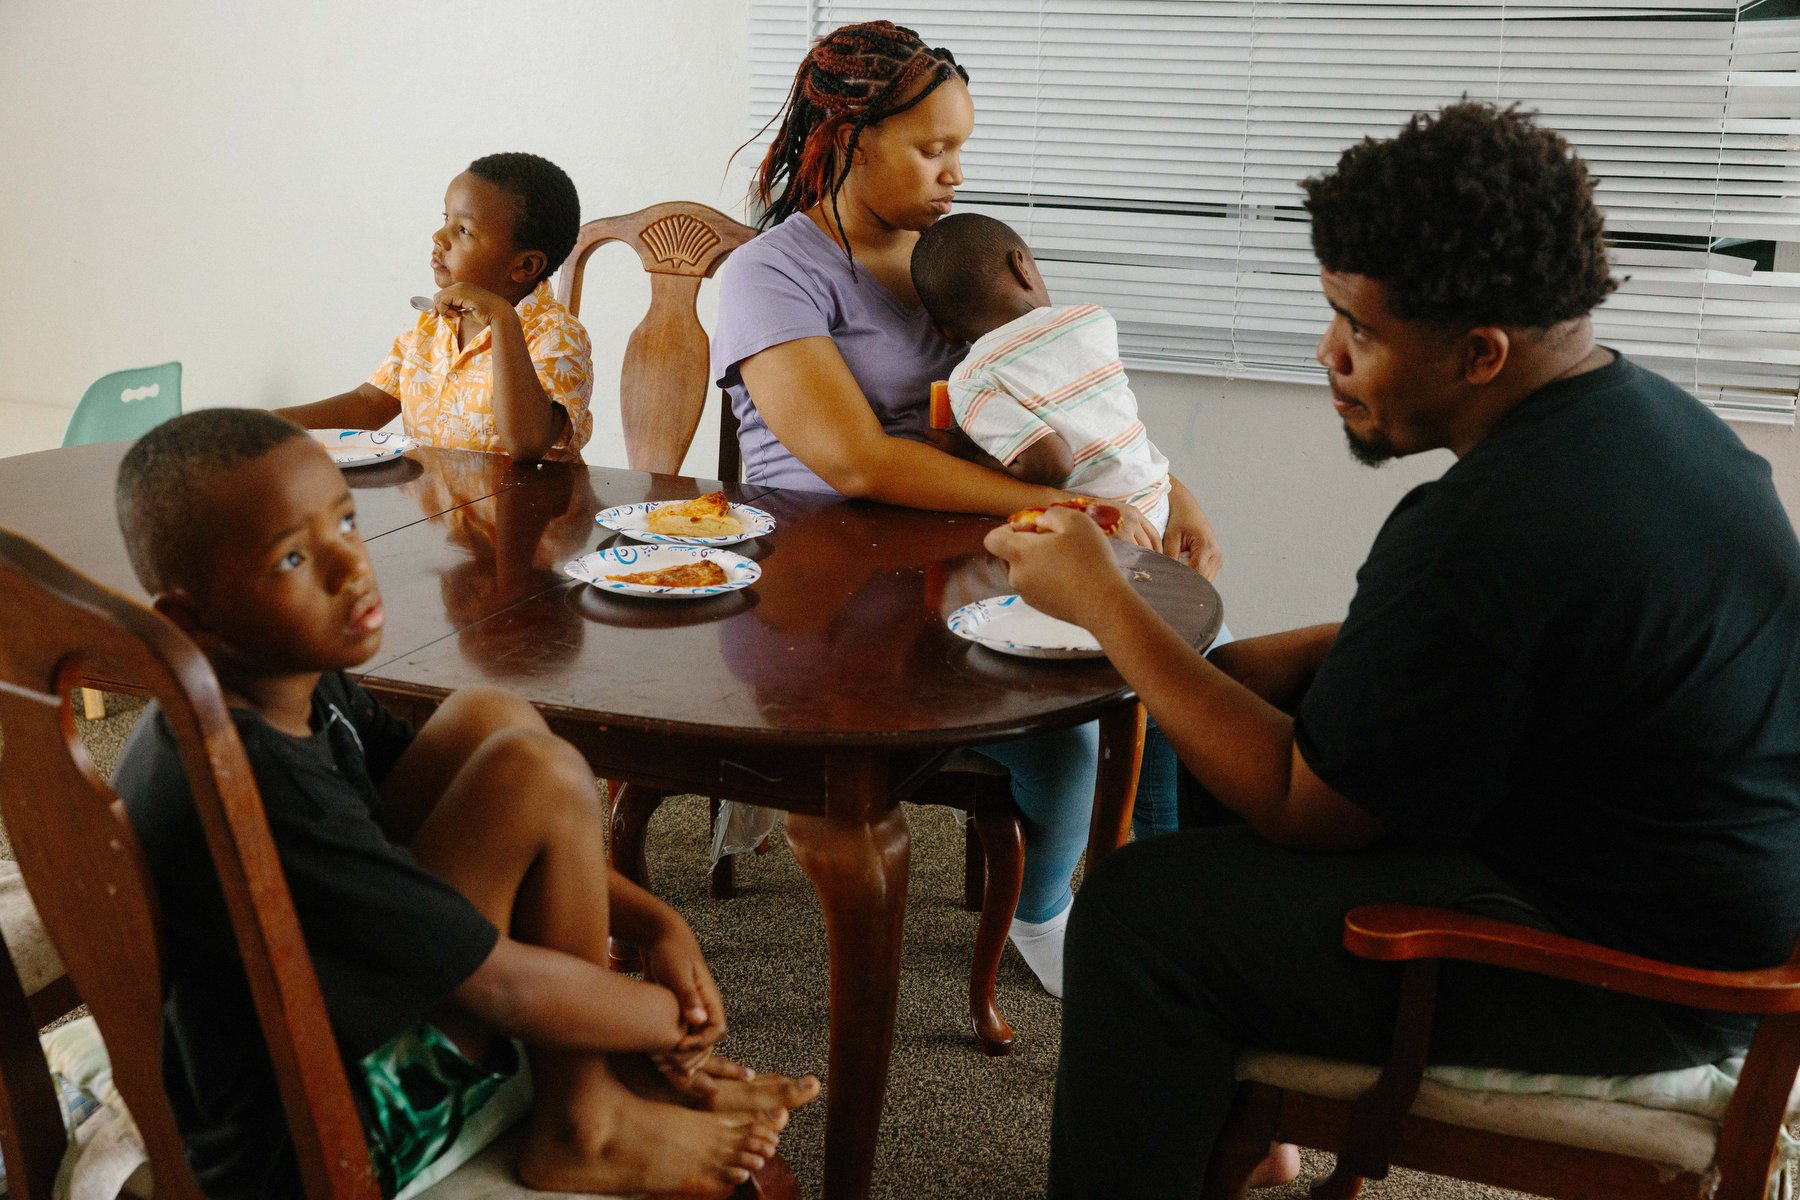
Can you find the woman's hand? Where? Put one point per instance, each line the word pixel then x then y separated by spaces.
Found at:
pixel 1189 536
pixel 1065 569
pixel 673 959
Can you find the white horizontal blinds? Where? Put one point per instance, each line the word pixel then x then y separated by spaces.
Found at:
pixel 1151 151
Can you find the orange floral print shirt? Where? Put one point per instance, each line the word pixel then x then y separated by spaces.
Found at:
pixel 446 394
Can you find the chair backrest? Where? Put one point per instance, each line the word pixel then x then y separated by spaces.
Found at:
pixel 126 405
pixel 663 382
pixel 83 866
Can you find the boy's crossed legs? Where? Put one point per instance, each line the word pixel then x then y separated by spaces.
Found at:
pixel 492 802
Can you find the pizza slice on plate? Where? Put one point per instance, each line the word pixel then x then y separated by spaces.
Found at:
pixel 704 516
pixel 705 573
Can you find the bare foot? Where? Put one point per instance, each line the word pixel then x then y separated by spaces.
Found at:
pixel 629 1144
pixel 720 1085
pixel 1281 1167
pixel 724 1086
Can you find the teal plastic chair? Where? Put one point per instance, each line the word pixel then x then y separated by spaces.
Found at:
pixel 126 405
pixel 118 408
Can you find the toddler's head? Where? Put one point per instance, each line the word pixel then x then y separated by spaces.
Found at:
pixel 509 221
pixel 974 274
pixel 243 531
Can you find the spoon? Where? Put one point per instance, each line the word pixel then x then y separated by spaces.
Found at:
pixel 423 303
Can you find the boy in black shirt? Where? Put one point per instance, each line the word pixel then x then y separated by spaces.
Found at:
pixel 1566 694
pixel 407 855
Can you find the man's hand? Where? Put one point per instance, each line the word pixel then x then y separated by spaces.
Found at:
pixel 673 959
pixel 1189 536
pixel 1065 569
pixel 460 298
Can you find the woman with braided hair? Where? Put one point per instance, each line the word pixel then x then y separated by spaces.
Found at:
pixel 828 358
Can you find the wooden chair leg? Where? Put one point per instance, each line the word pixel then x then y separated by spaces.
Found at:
pixel 974 869
pixel 93 703
pixel 632 806
pixel 1242 1143
pixel 1002 841
pixel 724 872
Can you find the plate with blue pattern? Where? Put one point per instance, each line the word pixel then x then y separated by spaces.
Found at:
pixel 360 447
pixel 1011 626
pixel 593 569
pixel 632 521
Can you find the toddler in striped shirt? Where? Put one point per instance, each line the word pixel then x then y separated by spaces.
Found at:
pixel 1042 388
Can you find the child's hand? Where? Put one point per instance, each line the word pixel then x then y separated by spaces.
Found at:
pixel 461 298
pixel 1135 527
pixel 674 960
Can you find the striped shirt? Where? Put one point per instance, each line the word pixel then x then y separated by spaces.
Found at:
pixel 1057 370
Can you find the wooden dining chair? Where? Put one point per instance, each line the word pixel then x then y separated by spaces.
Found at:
pixel 1563 1146
pixel 663 386
pixel 87 876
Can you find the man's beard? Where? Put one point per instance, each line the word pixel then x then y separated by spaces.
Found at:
pixel 1372 451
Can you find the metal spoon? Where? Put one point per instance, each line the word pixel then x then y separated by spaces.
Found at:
pixel 423 303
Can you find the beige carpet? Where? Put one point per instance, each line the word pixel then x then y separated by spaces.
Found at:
pixel 957 1124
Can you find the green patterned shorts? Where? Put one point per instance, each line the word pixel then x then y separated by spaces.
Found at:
pixel 421 1089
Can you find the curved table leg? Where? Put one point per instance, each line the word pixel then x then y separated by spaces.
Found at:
pixel 859 868
pixel 632 807
pixel 1115 783
pixel 1003 852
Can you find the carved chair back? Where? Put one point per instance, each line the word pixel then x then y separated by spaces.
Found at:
pixel 87 876
pixel 663 381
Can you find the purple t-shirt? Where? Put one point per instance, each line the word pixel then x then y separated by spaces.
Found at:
pixel 794 282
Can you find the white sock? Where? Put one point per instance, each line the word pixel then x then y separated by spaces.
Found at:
pixel 1040 944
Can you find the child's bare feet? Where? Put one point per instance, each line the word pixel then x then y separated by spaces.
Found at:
pixel 638 1145
pixel 720 1085
pixel 1281 1167
pixel 725 1086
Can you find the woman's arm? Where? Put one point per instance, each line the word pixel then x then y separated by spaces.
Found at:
pixel 812 403
pixel 1189 535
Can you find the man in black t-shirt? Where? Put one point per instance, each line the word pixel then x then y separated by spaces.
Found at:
pixel 1566 693
pixel 451 885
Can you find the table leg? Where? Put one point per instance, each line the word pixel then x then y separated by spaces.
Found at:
pixel 859 868
pixel 1115 784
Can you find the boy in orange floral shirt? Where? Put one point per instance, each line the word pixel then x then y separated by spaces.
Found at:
pixel 498 364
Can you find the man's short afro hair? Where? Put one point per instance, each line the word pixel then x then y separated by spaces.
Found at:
pixel 549 212
pixel 1472 216
pixel 164 477
pixel 957 262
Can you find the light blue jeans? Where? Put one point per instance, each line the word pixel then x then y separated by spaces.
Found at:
pixel 1053 785
pixel 1156 809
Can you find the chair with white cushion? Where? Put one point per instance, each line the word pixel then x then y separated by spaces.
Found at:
pixel 1689 1134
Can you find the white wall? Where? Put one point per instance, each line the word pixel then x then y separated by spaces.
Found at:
pixel 250 188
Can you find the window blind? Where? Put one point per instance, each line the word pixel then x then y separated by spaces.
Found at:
pixel 1151 150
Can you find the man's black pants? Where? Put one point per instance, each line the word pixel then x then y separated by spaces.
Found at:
pixel 1185 948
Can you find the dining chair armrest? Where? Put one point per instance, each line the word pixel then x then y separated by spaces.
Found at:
pixel 1399 932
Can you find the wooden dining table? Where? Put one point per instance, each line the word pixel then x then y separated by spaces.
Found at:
pixel 831 688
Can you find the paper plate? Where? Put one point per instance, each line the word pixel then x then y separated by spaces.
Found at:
pixel 360 447
pixel 594 568
pixel 1011 626
pixel 631 520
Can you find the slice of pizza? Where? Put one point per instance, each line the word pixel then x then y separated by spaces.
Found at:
pixel 1104 515
pixel 705 573
pixel 704 516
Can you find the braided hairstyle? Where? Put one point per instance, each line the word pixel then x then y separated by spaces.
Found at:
pixel 851 78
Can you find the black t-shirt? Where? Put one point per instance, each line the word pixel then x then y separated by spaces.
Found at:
pixel 1577 654
pixel 389 940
